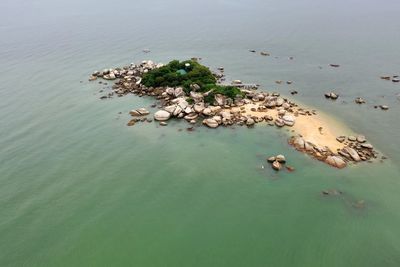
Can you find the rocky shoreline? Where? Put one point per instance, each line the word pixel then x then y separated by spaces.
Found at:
pixel 249 108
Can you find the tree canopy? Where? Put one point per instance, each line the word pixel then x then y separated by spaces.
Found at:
pixel 186 73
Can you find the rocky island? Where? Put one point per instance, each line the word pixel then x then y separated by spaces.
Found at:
pixel 190 91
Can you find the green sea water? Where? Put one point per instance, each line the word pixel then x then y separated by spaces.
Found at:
pixel 80 188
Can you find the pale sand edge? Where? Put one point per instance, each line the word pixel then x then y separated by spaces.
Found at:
pixel 309 126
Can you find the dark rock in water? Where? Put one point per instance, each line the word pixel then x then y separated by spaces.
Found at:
pixel 332 95
pixel 334 65
pixel 294 92
pixel 163 123
pixel 252 51
pixel 290 169
pixel 271 159
pixel 131 122
pixel 359 100
pixel 331 192
pixel 385 78
pixel 103 97
pixel 384 107
pixel 395 80
pixel 360 204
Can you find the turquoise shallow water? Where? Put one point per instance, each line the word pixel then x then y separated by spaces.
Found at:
pixel 79 188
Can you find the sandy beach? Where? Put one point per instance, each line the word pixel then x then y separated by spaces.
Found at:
pixel 319 129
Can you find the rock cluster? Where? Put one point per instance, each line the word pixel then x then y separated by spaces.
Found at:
pixel 277 162
pixel 394 78
pixel 332 95
pixel 356 149
pixel 139 116
pixel 176 103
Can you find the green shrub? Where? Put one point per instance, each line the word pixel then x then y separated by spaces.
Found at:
pixel 169 75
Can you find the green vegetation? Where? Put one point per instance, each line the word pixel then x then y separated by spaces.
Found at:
pixel 187 73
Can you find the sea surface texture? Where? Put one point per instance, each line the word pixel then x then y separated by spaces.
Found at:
pixel 80 188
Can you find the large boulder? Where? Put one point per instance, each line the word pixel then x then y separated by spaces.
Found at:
pixel 298 142
pixel 179 92
pixel 352 153
pixel 191 116
pixel 170 109
pixel 215 109
pixel 288 120
pixel 139 112
pixel 279 101
pixel 170 91
pixel 207 111
pixel 279 122
pixel 211 123
pixel 361 139
pixel 162 115
pixel 220 99
pixel 226 115
pixel 197 97
pixel 199 107
pixel 336 161
pixel 177 111
pixel 250 122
